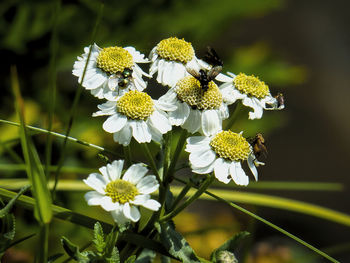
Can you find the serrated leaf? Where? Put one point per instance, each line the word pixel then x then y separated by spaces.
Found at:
pixel 4 211
pixel 229 245
pixel 111 240
pixel 98 240
pixel 131 259
pixel 73 251
pixel 114 257
pixel 146 256
pixel 175 243
pixel 8 232
pixel 164 259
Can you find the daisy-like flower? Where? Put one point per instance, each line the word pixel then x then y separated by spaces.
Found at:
pixel 111 71
pixel 136 114
pixel 121 194
pixel 222 153
pixel 169 59
pixel 197 110
pixel 253 92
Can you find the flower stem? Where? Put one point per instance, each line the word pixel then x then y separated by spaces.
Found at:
pixel 182 194
pixel 167 147
pixel 127 155
pixel 176 155
pixel 151 160
pixel 233 116
pixel 189 201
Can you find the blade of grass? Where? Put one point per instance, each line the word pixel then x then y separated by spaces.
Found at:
pixel 299 240
pixel 52 85
pixel 22 167
pixel 62 136
pixel 36 175
pixel 75 103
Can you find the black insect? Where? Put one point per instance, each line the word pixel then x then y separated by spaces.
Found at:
pixel 124 78
pixel 280 100
pixel 205 76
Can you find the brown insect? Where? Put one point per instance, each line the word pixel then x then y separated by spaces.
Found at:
pixel 280 100
pixel 258 144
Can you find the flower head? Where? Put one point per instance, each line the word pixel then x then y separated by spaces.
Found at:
pixel 121 194
pixel 111 71
pixel 136 114
pixel 222 153
pixel 169 59
pixel 197 109
pixel 253 92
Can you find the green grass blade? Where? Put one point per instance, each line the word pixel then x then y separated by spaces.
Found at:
pixel 62 136
pixel 75 102
pixel 4 211
pixel 35 172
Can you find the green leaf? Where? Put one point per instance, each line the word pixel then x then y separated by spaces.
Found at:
pixel 229 245
pixel 114 257
pixel 99 238
pixel 175 243
pixel 164 259
pixel 146 256
pixel 131 259
pixel 53 258
pixel 4 211
pixel 73 251
pixel 21 240
pixel 8 230
pixel 111 240
pixel 35 171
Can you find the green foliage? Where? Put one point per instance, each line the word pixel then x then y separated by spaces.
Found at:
pixel 146 256
pixel 175 243
pixel 230 245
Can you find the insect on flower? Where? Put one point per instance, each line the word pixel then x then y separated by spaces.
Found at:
pixel 280 100
pixel 205 76
pixel 259 148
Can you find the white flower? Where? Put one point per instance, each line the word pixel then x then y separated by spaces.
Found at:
pixel 136 115
pixel 111 71
pixel 169 59
pixel 197 109
pixel 253 92
pixel 121 195
pixel 222 153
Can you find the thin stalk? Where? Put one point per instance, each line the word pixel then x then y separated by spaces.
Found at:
pixel 127 155
pixel 181 195
pixel 75 104
pixel 189 201
pixel 59 135
pixel 150 160
pixel 233 116
pixel 167 148
pixel 52 86
pixel 15 156
pixel 269 224
pixel 176 155
pixel 42 252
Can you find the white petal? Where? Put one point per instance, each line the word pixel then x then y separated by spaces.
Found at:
pixel 196 143
pixel 140 199
pixel 221 170
pixel 93 198
pixel 123 136
pixel 160 122
pixel 107 204
pixel 223 78
pixel 131 212
pixel 115 123
pixel 134 173
pixel 140 131
pixel 118 215
pixel 179 116
pixel 255 105
pixel 115 169
pixel 252 167
pixel 203 170
pixel 202 157
pixel 152 205
pixel 97 182
pixel 211 122
pixel 147 184
pixel 136 55
pixel 237 174
pixel 193 122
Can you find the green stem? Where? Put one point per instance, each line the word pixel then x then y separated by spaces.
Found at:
pixel 233 116
pixel 167 147
pixel 182 194
pixel 151 160
pixel 59 135
pixel 42 252
pixel 127 155
pixel 178 150
pixel 189 201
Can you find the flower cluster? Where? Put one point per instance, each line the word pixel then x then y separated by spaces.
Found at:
pixel 197 99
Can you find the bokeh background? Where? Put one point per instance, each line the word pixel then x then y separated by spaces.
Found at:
pixel 300 48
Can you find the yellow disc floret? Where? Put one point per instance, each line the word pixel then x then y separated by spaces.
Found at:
pixel 121 191
pixel 136 105
pixel 175 49
pixel 251 85
pixel 189 90
pixel 114 59
pixel 231 146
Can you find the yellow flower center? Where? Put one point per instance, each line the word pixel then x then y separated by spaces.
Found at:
pixel 114 59
pixel 121 191
pixel 251 85
pixel 189 90
pixel 135 105
pixel 175 49
pixel 230 145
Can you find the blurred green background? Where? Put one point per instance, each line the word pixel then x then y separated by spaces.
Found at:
pixel 301 48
